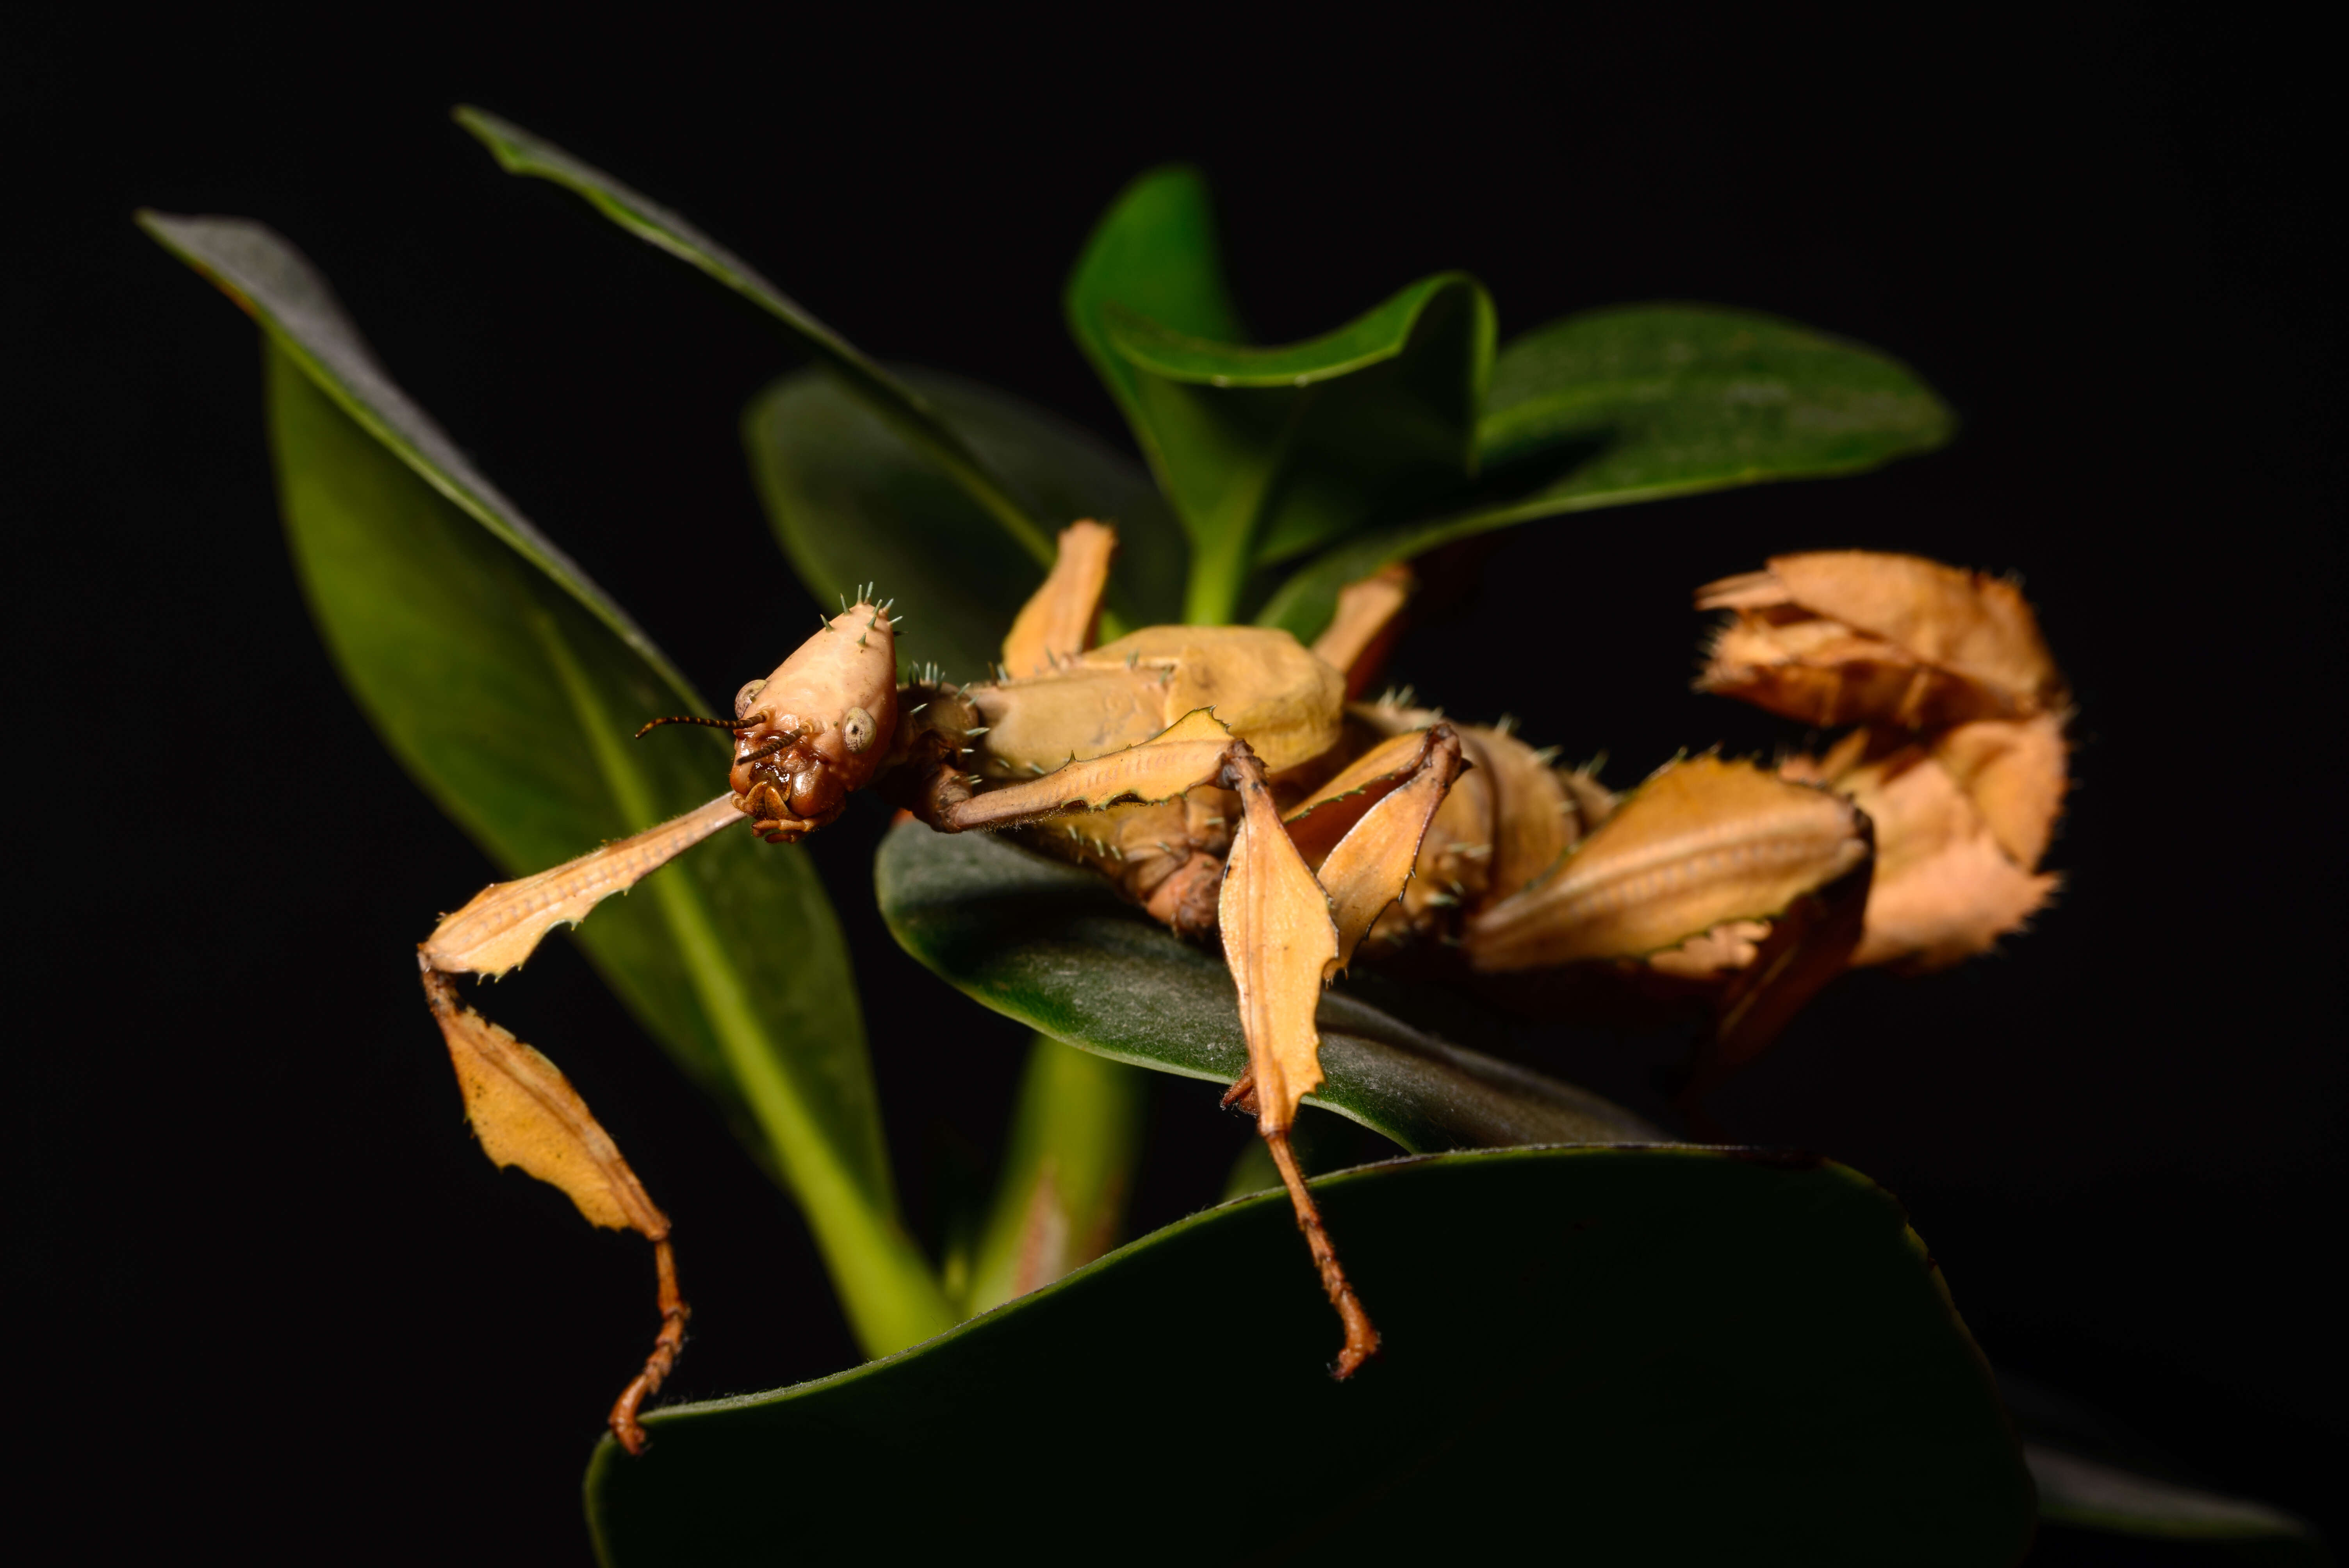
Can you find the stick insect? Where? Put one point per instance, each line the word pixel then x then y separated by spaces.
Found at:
pixel 1220 777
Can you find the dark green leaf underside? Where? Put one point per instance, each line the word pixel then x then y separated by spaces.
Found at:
pixel 853 502
pixel 1053 947
pixel 1611 1355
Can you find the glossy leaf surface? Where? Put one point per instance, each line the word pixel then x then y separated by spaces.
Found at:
pixel 1053 947
pixel 1153 252
pixel 1606 1356
pixel 1640 403
pixel 519 152
pixel 1267 453
pixel 508 685
pixel 853 501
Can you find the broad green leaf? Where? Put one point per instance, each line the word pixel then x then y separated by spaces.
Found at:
pixel 508 685
pixel 1076 1139
pixel 853 502
pixel 1643 402
pixel 1154 253
pixel 518 152
pixel 1053 947
pixel 1603 1356
pixel 1267 453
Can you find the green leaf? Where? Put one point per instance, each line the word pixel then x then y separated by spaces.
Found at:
pixel 1598 1356
pixel 853 501
pixel 1153 252
pixel 1267 453
pixel 518 152
pixel 1642 402
pixel 1053 947
pixel 1270 452
pixel 1076 1139
pixel 507 684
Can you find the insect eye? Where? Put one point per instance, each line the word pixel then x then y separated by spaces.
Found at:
pixel 746 696
pixel 856 729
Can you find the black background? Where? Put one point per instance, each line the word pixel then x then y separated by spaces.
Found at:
pixel 266 1291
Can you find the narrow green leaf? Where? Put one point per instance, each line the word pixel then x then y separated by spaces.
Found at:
pixel 1076 1139
pixel 1154 253
pixel 1640 403
pixel 507 684
pixel 1600 1356
pixel 1050 945
pixel 1267 453
pixel 518 152
pixel 853 502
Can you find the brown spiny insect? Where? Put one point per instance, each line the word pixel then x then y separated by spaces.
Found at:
pixel 1220 778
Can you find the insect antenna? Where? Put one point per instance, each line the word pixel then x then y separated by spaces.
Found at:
pixel 735 725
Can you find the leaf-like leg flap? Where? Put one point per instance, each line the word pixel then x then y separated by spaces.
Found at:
pixel 503 923
pixel 1188 753
pixel 1840 636
pixel 526 1113
pixel 1058 620
pixel 1281 945
pixel 1367 871
pixel 1703 843
pixel 1317 823
pixel 1369 617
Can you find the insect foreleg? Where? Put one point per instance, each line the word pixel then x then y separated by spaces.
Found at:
pixel 503 923
pixel 522 1108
